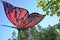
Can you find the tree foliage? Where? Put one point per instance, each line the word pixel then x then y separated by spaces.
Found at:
pixel 49 33
pixel 51 7
pixel 13 36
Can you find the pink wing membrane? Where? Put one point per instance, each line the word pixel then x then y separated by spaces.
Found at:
pixel 9 12
pixel 20 17
pixel 35 18
pixel 16 15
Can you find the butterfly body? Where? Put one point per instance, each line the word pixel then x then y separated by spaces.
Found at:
pixel 20 17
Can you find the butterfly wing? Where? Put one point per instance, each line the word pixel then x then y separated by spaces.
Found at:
pixel 15 14
pixel 20 17
pixel 33 19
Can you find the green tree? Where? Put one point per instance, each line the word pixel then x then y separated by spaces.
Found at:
pixel 51 7
pixel 58 38
pixel 13 36
pixel 49 33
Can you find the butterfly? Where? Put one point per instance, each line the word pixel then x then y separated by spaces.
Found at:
pixel 20 17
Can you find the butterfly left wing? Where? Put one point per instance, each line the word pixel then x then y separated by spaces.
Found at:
pixel 33 19
pixel 16 15
pixel 9 12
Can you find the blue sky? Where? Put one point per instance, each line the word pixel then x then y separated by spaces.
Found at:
pixel 30 5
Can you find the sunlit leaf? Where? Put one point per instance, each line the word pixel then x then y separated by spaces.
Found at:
pixel 57 3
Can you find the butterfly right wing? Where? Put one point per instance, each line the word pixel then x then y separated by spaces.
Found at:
pixel 33 19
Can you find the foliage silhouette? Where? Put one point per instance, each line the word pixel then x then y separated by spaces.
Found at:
pixel 49 33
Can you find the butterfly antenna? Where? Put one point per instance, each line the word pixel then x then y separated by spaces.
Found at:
pixel 13 27
pixel 9 26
